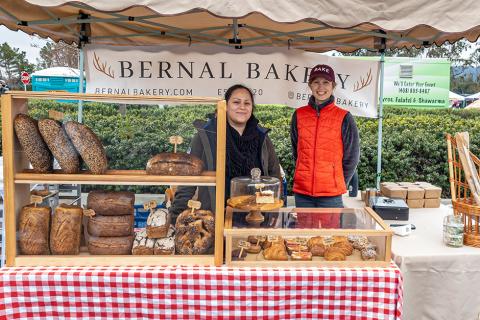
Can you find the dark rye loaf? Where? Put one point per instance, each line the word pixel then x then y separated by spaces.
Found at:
pixel 37 152
pixel 88 146
pixel 60 145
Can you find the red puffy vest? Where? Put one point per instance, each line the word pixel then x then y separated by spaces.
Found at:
pixel 319 170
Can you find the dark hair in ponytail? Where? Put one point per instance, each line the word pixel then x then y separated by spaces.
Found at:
pixel 230 91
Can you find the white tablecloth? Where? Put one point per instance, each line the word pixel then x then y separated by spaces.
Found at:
pixel 440 282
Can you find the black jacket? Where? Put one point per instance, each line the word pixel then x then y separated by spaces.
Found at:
pixel 204 146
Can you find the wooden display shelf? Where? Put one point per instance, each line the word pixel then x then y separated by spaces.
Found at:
pixel 17 182
pixel 116 177
pixel 87 260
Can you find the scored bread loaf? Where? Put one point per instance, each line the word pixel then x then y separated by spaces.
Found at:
pixel 110 245
pixel 110 226
pixel 111 203
pixel 37 152
pixel 165 246
pixel 143 245
pixel 195 232
pixel 88 146
pixel 33 230
pixel 66 230
pixel 158 223
pixel 60 145
pixel 175 164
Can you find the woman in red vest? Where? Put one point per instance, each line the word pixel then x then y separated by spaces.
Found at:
pixel 325 145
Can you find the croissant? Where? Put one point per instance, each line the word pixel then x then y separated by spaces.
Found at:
pixel 346 247
pixel 276 251
pixel 318 250
pixel 315 241
pixel 340 239
pixel 334 254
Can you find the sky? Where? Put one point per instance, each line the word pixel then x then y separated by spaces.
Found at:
pixel 23 41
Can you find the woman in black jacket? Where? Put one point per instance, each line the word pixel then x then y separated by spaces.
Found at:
pixel 247 146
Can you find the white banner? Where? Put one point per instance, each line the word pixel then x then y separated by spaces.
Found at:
pixel 276 75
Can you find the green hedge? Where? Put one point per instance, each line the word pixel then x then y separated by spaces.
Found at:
pixel 414 146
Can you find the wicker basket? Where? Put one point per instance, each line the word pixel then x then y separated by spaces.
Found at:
pixel 462 199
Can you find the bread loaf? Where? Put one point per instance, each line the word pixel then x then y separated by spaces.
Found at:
pixel 60 145
pixel 88 146
pixel 158 223
pixel 165 246
pixel 175 164
pixel 110 226
pixel 111 203
pixel 33 230
pixel 195 232
pixel 26 129
pixel 66 230
pixel 142 245
pixel 110 245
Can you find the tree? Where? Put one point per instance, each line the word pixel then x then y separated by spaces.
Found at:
pixel 12 63
pixel 58 54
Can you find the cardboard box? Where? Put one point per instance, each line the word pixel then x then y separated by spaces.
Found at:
pixel 397 192
pixel 406 184
pixel 415 203
pixel 432 203
pixel 433 192
pixel 388 184
pixel 415 192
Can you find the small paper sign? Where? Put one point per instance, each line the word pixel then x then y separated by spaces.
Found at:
pixel 56 115
pixel 273 238
pixel 244 244
pixel 36 199
pixel 88 212
pixel 176 140
pixel 194 204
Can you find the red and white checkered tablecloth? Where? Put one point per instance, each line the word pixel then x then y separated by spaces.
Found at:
pixel 200 293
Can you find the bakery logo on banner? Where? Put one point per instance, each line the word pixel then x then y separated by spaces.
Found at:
pixel 275 77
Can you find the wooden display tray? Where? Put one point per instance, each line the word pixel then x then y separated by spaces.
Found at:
pixel 381 237
pixel 118 177
pixel 254 206
pixel 17 182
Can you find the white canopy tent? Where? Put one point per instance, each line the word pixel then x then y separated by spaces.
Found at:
pixel 455 96
pixel 473 96
pixel 310 25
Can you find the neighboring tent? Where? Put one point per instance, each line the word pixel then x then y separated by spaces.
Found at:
pixel 473 96
pixel 455 96
pixel 305 24
pixel 474 105
pixel 57 72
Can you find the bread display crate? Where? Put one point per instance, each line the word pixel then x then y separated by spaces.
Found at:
pixel 17 180
pixel 299 230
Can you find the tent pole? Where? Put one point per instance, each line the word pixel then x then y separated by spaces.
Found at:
pixel 80 87
pixel 380 121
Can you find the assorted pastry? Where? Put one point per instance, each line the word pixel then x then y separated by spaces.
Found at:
pixel 330 248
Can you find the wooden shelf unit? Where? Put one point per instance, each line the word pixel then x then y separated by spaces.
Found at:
pixel 17 182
